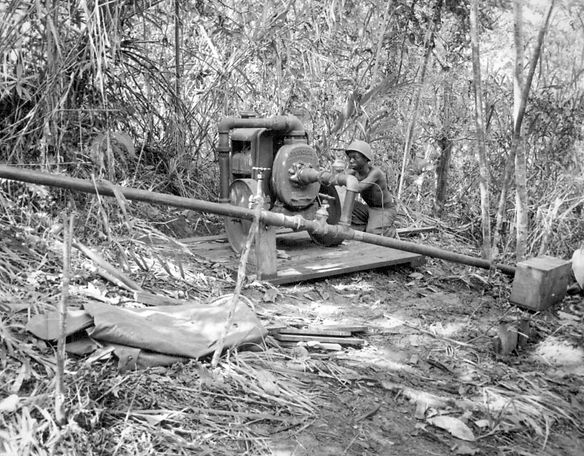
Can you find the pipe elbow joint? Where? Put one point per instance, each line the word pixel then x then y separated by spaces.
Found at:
pixel 226 124
pixel 293 123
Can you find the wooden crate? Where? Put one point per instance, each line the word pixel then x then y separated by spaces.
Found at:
pixel 540 282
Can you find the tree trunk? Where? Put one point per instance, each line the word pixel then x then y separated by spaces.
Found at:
pixel 49 137
pixel 177 25
pixel 442 174
pixel 480 131
pixel 429 45
pixel 517 141
pixel 500 218
pixel 445 144
pixel 521 92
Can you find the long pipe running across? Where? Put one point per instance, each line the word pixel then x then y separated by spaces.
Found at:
pixel 269 218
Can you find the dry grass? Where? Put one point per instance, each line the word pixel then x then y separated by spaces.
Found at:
pixel 230 410
pixel 238 407
pixel 187 408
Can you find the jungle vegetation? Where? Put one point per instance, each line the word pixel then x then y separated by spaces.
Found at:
pixel 477 120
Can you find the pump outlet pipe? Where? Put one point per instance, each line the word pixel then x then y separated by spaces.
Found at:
pixel 303 175
pixel 269 218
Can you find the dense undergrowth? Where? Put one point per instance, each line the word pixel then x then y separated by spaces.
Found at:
pixel 515 404
pixel 131 93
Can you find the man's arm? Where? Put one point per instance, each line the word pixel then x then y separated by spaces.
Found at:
pixel 373 179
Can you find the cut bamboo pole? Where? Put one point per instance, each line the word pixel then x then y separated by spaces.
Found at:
pixel 60 413
pixel 258 204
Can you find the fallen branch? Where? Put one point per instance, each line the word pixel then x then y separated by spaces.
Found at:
pixel 429 399
pixel 437 336
pixel 108 271
pixel 166 414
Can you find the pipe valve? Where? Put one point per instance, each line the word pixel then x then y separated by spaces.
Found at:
pixel 259 198
pixel 322 213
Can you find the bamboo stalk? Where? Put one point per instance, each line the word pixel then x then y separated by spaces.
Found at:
pixel 412 123
pixel 259 203
pixel 60 414
pixel 483 162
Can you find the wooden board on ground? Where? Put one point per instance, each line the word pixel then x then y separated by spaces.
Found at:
pixel 313 332
pixel 301 259
pixel 327 340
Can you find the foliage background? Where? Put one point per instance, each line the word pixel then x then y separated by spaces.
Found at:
pixel 131 91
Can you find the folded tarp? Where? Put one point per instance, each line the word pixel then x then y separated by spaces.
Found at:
pixel 161 334
pixel 46 326
pixel 190 330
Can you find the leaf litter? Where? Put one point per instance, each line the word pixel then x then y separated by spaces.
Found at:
pixel 459 389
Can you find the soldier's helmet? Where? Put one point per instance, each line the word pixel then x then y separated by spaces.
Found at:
pixel 361 147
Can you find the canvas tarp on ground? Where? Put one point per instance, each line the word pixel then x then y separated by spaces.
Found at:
pixel 175 333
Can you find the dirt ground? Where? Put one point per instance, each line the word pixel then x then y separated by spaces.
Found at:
pixel 433 331
pixel 439 372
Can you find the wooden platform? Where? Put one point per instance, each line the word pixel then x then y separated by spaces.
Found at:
pixel 301 259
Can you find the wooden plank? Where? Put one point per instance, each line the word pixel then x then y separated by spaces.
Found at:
pixel 308 261
pixel 220 237
pixel 327 340
pixel 348 328
pixel 199 239
pixel 347 258
pixel 316 345
pixel 314 332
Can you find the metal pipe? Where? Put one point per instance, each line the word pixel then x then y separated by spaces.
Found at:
pixel 277 123
pixel 347 209
pixel 107 189
pixel 269 218
pixel 305 175
pixel 224 173
pixel 298 223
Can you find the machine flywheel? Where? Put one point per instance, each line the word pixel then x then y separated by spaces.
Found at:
pixel 237 229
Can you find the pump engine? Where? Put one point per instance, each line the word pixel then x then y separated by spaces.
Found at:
pixel 274 147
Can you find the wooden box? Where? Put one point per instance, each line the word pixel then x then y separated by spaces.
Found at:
pixel 540 282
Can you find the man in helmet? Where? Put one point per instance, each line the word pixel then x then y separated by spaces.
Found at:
pixel 378 215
